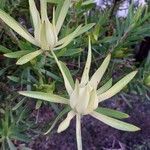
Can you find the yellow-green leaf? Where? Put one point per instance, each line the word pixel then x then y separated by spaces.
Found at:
pixel 44 96
pixel 96 78
pixel 85 29
pixel 65 41
pixel 85 75
pixel 43 4
pixel 120 125
pixel 16 54
pixel 68 37
pixel 67 73
pixel 65 124
pixel 28 57
pixel 35 18
pixel 62 15
pixel 17 27
pixel 63 112
pixel 117 87
pixel 105 87
pixel 67 83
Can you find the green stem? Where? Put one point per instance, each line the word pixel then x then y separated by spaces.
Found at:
pixel 57 61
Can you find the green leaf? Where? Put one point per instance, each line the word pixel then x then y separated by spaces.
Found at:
pixel 18 104
pixel 105 87
pixel 72 52
pixel 85 75
pixel 69 52
pixel 28 57
pixel 17 27
pixel 67 73
pixel 62 15
pixel 117 87
pixel 52 75
pixel 11 145
pixel 96 78
pixel 112 113
pixel 2 71
pixel 53 1
pixel 85 29
pixel 88 2
pixel 120 125
pixel 17 54
pixel 44 96
pixel 13 78
pixel 63 112
pixel 4 49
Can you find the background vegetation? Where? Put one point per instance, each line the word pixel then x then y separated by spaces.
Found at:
pixel 23 121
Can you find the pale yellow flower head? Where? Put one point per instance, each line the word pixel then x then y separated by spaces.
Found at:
pixel 46 32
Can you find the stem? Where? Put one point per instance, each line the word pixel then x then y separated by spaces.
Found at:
pixel 78 132
pixel 57 61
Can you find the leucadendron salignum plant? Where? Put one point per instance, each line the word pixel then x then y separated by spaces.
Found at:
pixel 45 32
pixel 84 97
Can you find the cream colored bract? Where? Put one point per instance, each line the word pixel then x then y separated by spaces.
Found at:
pixel 84 97
pixel 45 32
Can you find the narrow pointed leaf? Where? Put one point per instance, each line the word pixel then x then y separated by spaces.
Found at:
pixel 67 73
pixel 85 29
pixel 78 132
pixel 117 87
pixel 67 83
pixel 96 78
pixel 4 49
pixel 11 145
pixel 35 18
pixel 17 27
pixel 44 96
pixel 28 57
pixel 85 75
pixel 68 39
pixel 17 54
pixel 120 125
pixel 70 36
pixel 105 87
pixel 65 124
pixel 43 4
pixel 112 113
pixel 62 15
pixel 63 112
